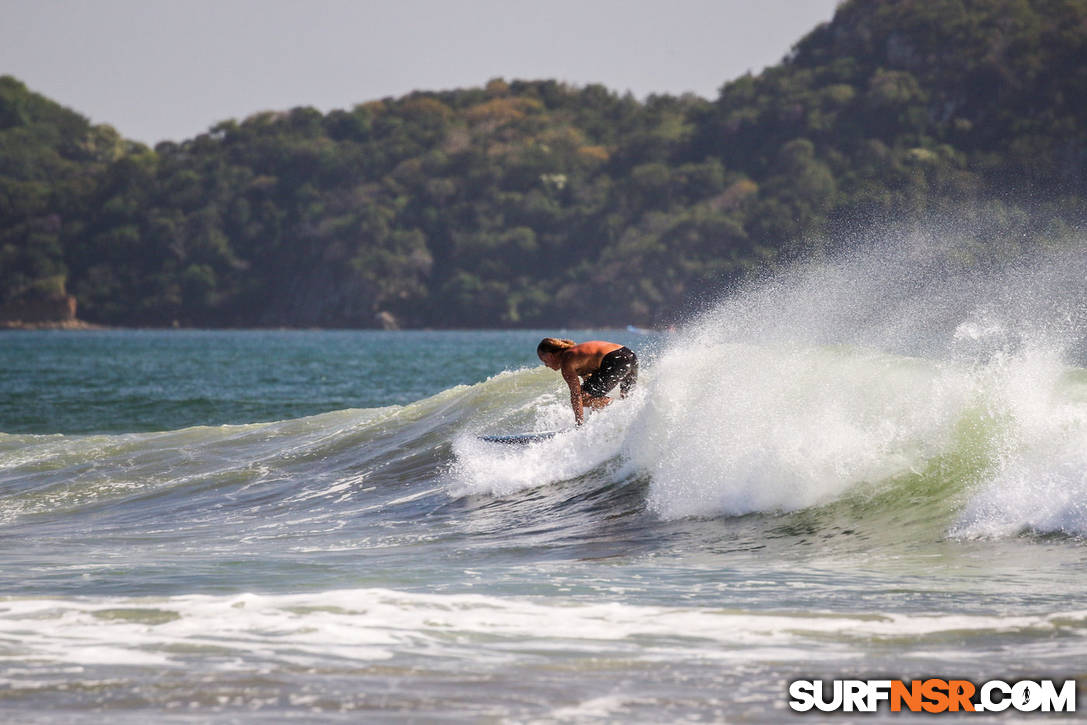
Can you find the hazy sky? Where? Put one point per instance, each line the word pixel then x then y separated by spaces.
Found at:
pixel 170 69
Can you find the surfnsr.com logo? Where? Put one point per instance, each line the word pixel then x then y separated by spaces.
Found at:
pixel 932 696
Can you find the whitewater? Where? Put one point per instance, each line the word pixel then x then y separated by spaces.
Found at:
pixel 870 464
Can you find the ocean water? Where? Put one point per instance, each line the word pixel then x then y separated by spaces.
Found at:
pixel 869 466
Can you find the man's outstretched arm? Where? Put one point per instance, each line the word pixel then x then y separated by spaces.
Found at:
pixel 574 382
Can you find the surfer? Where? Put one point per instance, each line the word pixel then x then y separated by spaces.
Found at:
pixel 591 369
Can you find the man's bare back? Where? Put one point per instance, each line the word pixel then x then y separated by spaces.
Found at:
pixel 602 364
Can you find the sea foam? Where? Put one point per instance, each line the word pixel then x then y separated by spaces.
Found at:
pixel 861 369
pixel 867 365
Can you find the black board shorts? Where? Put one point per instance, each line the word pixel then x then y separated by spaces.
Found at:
pixel 618 367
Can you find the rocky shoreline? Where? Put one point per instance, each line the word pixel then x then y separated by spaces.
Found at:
pixel 56 312
pixel 50 325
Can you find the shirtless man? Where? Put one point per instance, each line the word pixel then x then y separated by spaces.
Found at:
pixel 602 365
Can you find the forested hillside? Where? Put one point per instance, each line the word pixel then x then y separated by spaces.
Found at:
pixel 532 203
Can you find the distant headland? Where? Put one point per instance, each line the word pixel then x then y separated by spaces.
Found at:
pixel 534 203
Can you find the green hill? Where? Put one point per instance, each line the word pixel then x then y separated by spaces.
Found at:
pixel 532 203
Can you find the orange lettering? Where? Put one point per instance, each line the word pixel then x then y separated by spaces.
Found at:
pixel 959 694
pixel 911 695
pixel 935 691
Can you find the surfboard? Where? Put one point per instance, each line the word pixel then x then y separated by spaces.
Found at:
pixel 519 439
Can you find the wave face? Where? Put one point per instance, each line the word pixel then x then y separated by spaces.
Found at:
pixel 897 369
pixel 872 464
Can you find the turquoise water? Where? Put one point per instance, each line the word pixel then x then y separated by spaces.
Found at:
pixel 264 526
pixel 126 381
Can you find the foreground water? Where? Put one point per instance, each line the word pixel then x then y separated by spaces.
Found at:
pixel 842 472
